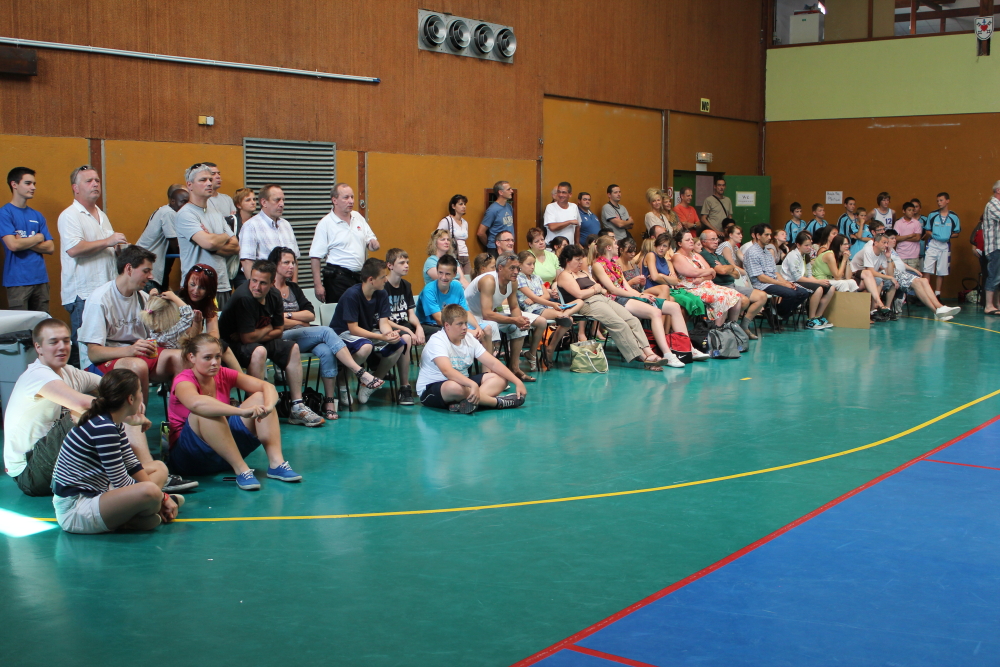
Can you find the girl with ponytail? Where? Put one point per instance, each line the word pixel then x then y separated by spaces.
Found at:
pixel 99 484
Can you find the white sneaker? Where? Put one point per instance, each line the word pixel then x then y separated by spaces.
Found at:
pixel 945 310
pixel 698 355
pixel 364 393
pixel 672 361
pixel 944 318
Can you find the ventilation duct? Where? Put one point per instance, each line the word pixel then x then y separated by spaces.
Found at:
pixel 445 33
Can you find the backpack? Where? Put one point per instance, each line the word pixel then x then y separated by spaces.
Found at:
pixel 698 332
pixel 742 339
pixel 680 345
pixel 723 343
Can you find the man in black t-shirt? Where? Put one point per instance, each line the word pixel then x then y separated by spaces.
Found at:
pixel 362 321
pixel 252 323
pixel 402 310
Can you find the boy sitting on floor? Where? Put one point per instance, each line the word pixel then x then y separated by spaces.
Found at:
pixel 444 380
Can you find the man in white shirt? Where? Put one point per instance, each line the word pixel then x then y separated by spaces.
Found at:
pixel 160 238
pixel 203 237
pixel 339 245
pixel 267 230
pixel 562 217
pixel 870 267
pixel 113 332
pixel 86 247
pixel 444 380
pixel 43 407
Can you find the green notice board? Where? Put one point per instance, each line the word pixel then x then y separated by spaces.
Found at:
pixel 751 197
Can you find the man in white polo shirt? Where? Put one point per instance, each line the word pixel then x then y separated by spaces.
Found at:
pixel 203 237
pixel 267 230
pixel 562 217
pixel 339 245
pixel 86 247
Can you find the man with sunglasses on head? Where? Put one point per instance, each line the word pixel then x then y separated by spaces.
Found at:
pixel 203 237
pixel 86 248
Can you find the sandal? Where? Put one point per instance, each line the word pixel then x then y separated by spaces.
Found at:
pixel 524 377
pixel 532 360
pixel 330 414
pixel 374 383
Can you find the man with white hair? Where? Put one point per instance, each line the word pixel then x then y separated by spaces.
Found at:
pixel 203 237
pixel 267 230
pixel 86 248
pixel 991 248
pixel 339 246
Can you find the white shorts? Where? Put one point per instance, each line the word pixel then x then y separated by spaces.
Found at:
pixel 510 329
pixel 936 258
pixel 79 514
pixel 844 285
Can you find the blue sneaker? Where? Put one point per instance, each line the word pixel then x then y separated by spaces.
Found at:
pixel 284 473
pixel 247 482
pixel 814 325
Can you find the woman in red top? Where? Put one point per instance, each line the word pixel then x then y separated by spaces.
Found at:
pixel 207 434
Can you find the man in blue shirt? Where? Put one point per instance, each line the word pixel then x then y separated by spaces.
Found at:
pixel 439 293
pixel 590 224
pixel 25 238
pixel 499 217
pixel 817 223
pixel 941 227
pixel 796 224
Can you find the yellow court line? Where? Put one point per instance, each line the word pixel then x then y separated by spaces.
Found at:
pixel 613 494
pixel 959 324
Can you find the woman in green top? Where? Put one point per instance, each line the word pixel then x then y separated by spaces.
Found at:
pixel 835 265
pixel 546 261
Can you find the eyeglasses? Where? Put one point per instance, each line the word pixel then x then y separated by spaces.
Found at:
pixel 208 271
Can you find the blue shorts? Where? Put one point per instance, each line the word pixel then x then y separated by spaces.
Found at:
pixel 191 455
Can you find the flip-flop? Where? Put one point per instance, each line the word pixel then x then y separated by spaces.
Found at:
pixel 994 313
pixel 523 377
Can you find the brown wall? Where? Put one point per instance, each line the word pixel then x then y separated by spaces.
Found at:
pixel 732 143
pixel 592 145
pixel 905 156
pixel 644 53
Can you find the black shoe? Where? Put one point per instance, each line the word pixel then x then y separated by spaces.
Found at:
pixel 509 401
pixel 406 395
pixel 177 484
pixel 894 316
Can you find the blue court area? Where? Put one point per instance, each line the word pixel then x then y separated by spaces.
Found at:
pixel 905 572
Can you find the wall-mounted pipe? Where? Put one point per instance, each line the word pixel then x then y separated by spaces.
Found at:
pixel 34 43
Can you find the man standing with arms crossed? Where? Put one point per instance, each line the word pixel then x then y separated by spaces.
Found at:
pixel 86 248
pixel 499 217
pixel 26 238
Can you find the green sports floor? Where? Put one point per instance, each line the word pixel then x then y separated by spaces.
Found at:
pixel 419 537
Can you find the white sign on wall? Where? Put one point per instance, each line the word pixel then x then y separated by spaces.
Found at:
pixel 746 198
pixel 834 196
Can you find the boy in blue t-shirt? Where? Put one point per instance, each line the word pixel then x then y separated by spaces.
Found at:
pixel 941 227
pixel 26 238
pixel 860 233
pixel 818 222
pixel 796 224
pixel 439 293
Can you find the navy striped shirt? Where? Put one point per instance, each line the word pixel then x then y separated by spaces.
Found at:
pixel 94 457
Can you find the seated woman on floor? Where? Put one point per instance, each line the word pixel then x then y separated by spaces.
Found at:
pixel 696 276
pixel 99 484
pixel 207 434
pixel 574 283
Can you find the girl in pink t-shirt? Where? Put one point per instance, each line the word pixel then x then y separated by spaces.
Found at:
pixel 207 434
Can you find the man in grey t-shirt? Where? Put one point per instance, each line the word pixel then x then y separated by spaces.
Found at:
pixel 717 208
pixel 614 216
pixel 203 236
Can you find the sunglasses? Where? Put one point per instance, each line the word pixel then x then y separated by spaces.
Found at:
pixel 198 268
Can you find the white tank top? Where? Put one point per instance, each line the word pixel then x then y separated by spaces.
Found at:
pixel 472 294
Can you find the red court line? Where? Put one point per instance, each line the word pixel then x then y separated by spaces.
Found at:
pixel 608 656
pixel 600 625
pixel 968 465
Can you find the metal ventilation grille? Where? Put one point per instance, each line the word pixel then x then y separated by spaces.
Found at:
pixel 306 172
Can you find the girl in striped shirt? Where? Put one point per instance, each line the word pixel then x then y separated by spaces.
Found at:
pixel 99 484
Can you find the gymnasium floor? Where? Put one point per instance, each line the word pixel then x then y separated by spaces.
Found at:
pixel 426 538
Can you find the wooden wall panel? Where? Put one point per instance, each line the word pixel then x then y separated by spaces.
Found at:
pixel 645 53
pixel 661 55
pixel 732 143
pixel 807 158
pixel 592 145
